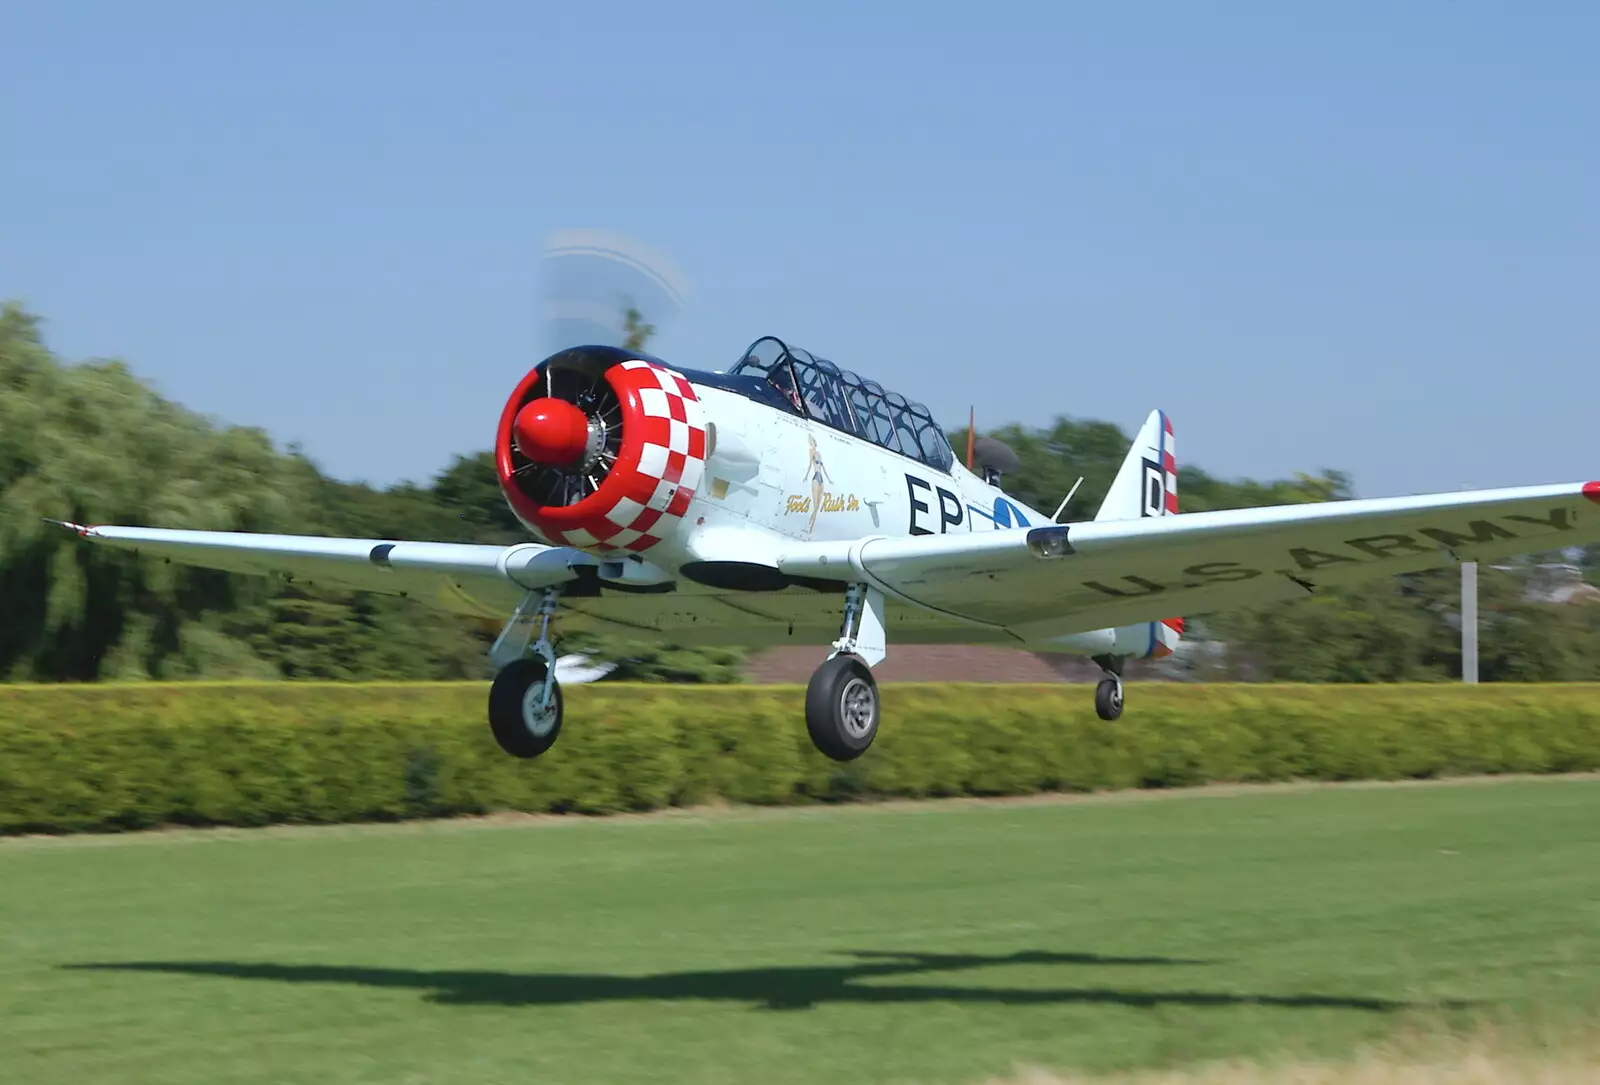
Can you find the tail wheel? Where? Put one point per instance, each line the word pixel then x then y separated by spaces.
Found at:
pixel 842 709
pixel 524 724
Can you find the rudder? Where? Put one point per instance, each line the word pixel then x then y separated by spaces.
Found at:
pixel 1147 482
pixel 1147 485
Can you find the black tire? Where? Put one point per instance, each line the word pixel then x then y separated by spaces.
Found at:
pixel 509 719
pixel 842 708
pixel 1108 699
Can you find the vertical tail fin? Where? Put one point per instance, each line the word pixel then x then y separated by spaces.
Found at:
pixel 1147 485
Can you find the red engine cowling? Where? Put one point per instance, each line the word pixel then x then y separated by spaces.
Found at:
pixel 601 450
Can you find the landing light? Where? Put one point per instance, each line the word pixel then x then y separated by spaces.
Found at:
pixel 1049 542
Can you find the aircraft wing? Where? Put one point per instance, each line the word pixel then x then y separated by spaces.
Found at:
pixel 1066 578
pixel 458 578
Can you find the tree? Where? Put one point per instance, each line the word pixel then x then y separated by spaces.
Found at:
pixel 1199 491
pixel 471 487
pixel 1053 458
pixel 91 444
pixel 639 333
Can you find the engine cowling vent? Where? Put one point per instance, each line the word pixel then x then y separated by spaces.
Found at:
pixel 601 450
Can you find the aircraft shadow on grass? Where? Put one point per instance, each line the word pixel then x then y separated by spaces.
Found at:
pixel 777 988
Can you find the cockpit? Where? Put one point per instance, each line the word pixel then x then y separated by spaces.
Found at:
pixel 815 388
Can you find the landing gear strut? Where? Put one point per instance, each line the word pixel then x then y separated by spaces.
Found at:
pixel 525 703
pixel 842 709
pixel 1108 694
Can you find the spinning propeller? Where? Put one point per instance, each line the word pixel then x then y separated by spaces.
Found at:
pixel 596 289
pixel 590 281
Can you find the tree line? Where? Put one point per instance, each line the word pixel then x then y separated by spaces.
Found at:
pixel 92 443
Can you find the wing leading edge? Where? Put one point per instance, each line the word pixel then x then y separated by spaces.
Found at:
pixel 1067 578
pixel 458 578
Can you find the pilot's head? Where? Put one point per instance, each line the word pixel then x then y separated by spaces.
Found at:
pixel 783 381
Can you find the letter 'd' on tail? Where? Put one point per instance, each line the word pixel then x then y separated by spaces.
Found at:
pixel 1147 485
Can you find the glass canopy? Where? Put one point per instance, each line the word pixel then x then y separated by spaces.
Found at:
pixel 815 388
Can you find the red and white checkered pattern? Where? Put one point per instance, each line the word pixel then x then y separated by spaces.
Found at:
pixel 1165 634
pixel 1169 465
pixel 660 467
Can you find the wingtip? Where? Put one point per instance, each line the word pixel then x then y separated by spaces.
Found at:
pixel 1591 490
pixel 76 529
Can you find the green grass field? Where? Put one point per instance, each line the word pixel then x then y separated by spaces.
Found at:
pixel 933 943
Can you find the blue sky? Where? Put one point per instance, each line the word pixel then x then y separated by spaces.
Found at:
pixel 1359 236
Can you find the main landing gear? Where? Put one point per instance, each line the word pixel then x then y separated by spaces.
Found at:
pixel 1108 694
pixel 842 709
pixel 525 706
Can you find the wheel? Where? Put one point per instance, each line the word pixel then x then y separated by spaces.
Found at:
pixel 520 726
pixel 1108 699
pixel 842 708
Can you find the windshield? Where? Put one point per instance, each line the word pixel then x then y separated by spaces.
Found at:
pixel 820 390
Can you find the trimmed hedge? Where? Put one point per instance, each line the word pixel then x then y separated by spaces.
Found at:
pixel 113 757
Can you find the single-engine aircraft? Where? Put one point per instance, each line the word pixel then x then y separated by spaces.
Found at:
pixel 787 499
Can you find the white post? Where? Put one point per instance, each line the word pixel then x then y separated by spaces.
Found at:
pixel 1469 621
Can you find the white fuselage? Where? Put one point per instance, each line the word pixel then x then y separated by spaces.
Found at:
pixel 773 477
pixel 805 480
